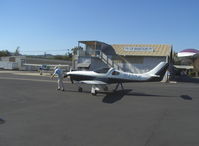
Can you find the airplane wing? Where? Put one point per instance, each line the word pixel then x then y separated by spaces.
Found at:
pixel 155 75
pixel 93 82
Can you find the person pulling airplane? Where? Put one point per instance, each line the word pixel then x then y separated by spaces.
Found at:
pixel 58 71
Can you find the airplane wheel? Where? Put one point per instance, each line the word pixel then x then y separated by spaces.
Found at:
pixel 80 89
pixel 95 93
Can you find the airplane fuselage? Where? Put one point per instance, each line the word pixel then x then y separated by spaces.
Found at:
pixel 112 76
pixel 105 76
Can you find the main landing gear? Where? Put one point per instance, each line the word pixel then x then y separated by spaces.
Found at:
pixel 80 89
pixel 118 86
pixel 94 90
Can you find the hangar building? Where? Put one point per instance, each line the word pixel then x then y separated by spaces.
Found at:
pixel 136 58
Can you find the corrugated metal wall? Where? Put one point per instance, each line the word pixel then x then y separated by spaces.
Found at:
pixel 140 64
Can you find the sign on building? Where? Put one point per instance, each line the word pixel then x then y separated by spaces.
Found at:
pixel 139 49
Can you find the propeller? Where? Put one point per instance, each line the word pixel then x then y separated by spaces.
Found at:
pixel 71 80
pixel 66 75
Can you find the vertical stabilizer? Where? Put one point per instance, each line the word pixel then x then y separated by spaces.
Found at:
pixel 158 70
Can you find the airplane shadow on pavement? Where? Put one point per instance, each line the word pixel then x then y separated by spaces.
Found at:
pixel 186 97
pixel 118 95
pixel 2 121
pixel 112 97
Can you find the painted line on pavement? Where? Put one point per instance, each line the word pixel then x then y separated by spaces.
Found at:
pixel 23 79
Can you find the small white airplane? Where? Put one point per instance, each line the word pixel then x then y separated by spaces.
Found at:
pixel 102 77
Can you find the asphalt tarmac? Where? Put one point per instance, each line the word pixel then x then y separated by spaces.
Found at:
pixel 34 113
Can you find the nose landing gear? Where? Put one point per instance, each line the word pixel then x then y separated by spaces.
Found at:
pixel 94 90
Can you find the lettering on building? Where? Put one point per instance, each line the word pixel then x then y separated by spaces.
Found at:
pixel 139 49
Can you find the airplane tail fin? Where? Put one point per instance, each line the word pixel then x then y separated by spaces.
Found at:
pixel 159 70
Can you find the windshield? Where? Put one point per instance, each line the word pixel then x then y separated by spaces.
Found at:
pixel 102 70
pixel 115 73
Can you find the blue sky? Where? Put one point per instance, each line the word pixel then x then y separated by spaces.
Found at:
pixel 53 26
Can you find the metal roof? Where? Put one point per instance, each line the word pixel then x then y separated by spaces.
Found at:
pixel 83 64
pixel 91 42
pixel 183 66
pixel 190 50
pixel 142 49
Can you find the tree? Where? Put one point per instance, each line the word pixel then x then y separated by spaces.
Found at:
pixel 176 60
pixel 69 53
pixel 17 51
pixel 75 49
pixel 4 53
